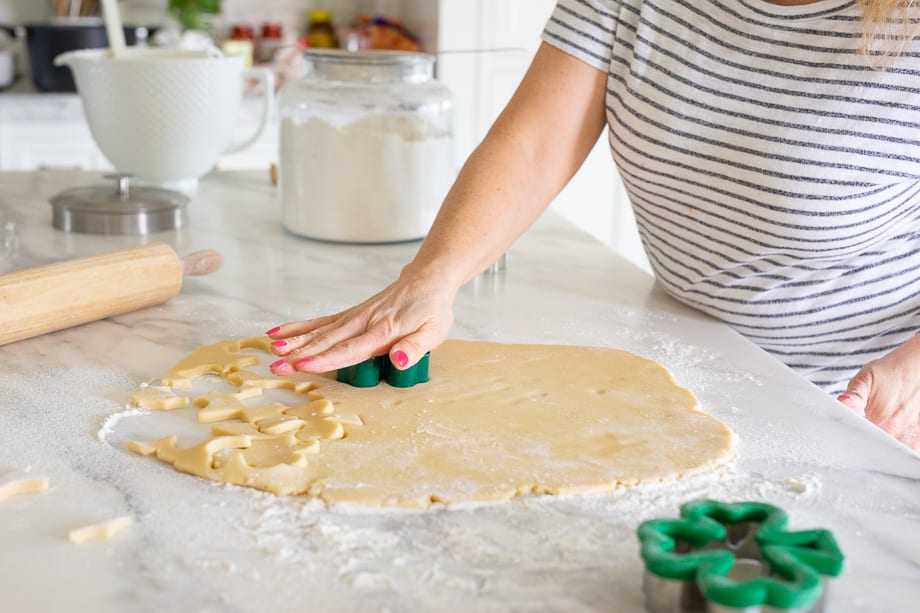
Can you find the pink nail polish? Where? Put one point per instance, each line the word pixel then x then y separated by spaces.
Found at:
pixel 844 397
pixel 279 344
pixel 303 362
pixel 279 364
pixel 273 331
pixel 400 359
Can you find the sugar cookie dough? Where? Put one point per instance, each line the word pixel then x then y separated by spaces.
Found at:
pixel 104 530
pixel 22 486
pixel 158 398
pixel 495 421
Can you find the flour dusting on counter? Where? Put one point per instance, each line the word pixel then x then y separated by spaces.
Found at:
pixel 206 547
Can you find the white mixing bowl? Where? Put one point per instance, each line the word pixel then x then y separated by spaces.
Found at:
pixel 164 115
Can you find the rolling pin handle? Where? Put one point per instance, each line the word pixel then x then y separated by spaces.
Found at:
pixel 202 262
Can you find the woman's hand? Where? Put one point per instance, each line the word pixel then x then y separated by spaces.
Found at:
pixel 887 392
pixel 406 320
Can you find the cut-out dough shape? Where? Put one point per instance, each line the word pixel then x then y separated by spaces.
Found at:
pixel 276 465
pixel 298 382
pixel 22 486
pixel 318 421
pixel 217 406
pixel 239 428
pixel 263 343
pixel 197 460
pixel 281 479
pixel 219 359
pixel 104 530
pixel 325 428
pixel 264 453
pixel 494 421
pixel 158 398
pixel 280 425
pixel 309 422
pixel 317 408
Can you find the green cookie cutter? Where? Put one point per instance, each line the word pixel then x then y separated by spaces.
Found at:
pixel 371 372
pixel 718 553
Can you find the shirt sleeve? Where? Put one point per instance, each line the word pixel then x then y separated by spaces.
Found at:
pixel 584 29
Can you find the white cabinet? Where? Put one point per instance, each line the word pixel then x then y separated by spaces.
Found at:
pixel 46 131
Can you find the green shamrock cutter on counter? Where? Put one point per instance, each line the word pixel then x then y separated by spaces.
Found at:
pixel 725 557
pixel 371 372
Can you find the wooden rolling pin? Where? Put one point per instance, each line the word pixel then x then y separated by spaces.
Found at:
pixel 56 296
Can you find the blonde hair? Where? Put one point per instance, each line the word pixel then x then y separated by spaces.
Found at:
pixel 887 27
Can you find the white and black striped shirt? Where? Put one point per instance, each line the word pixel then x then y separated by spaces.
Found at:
pixel 774 174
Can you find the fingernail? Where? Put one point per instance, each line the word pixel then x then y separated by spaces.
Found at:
pixel 273 331
pixel 279 344
pixel 303 362
pixel 844 397
pixel 400 358
pixel 281 366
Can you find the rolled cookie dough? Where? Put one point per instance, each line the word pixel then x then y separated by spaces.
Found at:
pixel 495 421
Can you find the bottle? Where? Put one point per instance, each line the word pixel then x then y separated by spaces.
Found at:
pixel 320 33
pixel 270 40
pixel 240 42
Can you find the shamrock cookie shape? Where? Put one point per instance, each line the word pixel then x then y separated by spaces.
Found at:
pixel 737 557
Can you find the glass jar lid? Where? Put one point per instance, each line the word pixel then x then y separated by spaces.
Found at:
pixel 375 66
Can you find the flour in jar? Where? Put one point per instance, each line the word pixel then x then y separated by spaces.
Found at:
pixel 379 179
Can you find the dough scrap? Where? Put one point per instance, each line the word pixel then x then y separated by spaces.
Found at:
pixel 495 421
pixel 220 359
pixel 276 464
pixel 217 406
pixel 23 486
pixel 158 399
pixel 298 382
pixel 104 530
pixel 239 428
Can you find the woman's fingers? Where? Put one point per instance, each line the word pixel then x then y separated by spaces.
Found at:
pixel 413 347
pixel 322 340
pixel 297 328
pixel 406 320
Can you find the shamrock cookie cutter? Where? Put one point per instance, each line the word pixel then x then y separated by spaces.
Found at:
pixel 730 557
pixel 371 372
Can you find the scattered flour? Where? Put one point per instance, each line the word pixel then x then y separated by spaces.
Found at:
pixel 109 423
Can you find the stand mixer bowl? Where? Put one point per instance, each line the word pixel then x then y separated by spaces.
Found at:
pixel 163 115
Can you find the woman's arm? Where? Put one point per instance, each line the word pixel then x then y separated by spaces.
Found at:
pixel 535 146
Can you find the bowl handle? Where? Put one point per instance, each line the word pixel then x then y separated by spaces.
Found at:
pixel 267 77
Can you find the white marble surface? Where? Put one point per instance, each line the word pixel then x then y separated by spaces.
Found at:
pixel 196 546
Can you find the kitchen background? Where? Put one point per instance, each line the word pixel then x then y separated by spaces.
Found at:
pixel 482 46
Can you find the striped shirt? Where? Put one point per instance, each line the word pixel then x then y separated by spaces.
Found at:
pixel 774 174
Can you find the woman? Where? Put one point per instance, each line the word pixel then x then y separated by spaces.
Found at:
pixel 771 152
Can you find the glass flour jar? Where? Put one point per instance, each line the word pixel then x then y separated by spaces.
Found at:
pixel 366 147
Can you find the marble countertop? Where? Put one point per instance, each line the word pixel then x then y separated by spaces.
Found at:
pixel 197 546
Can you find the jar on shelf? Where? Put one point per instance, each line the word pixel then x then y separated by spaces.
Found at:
pixel 320 32
pixel 240 41
pixel 271 40
pixel 366 146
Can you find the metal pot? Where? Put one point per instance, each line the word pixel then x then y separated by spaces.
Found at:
pixel 48 40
